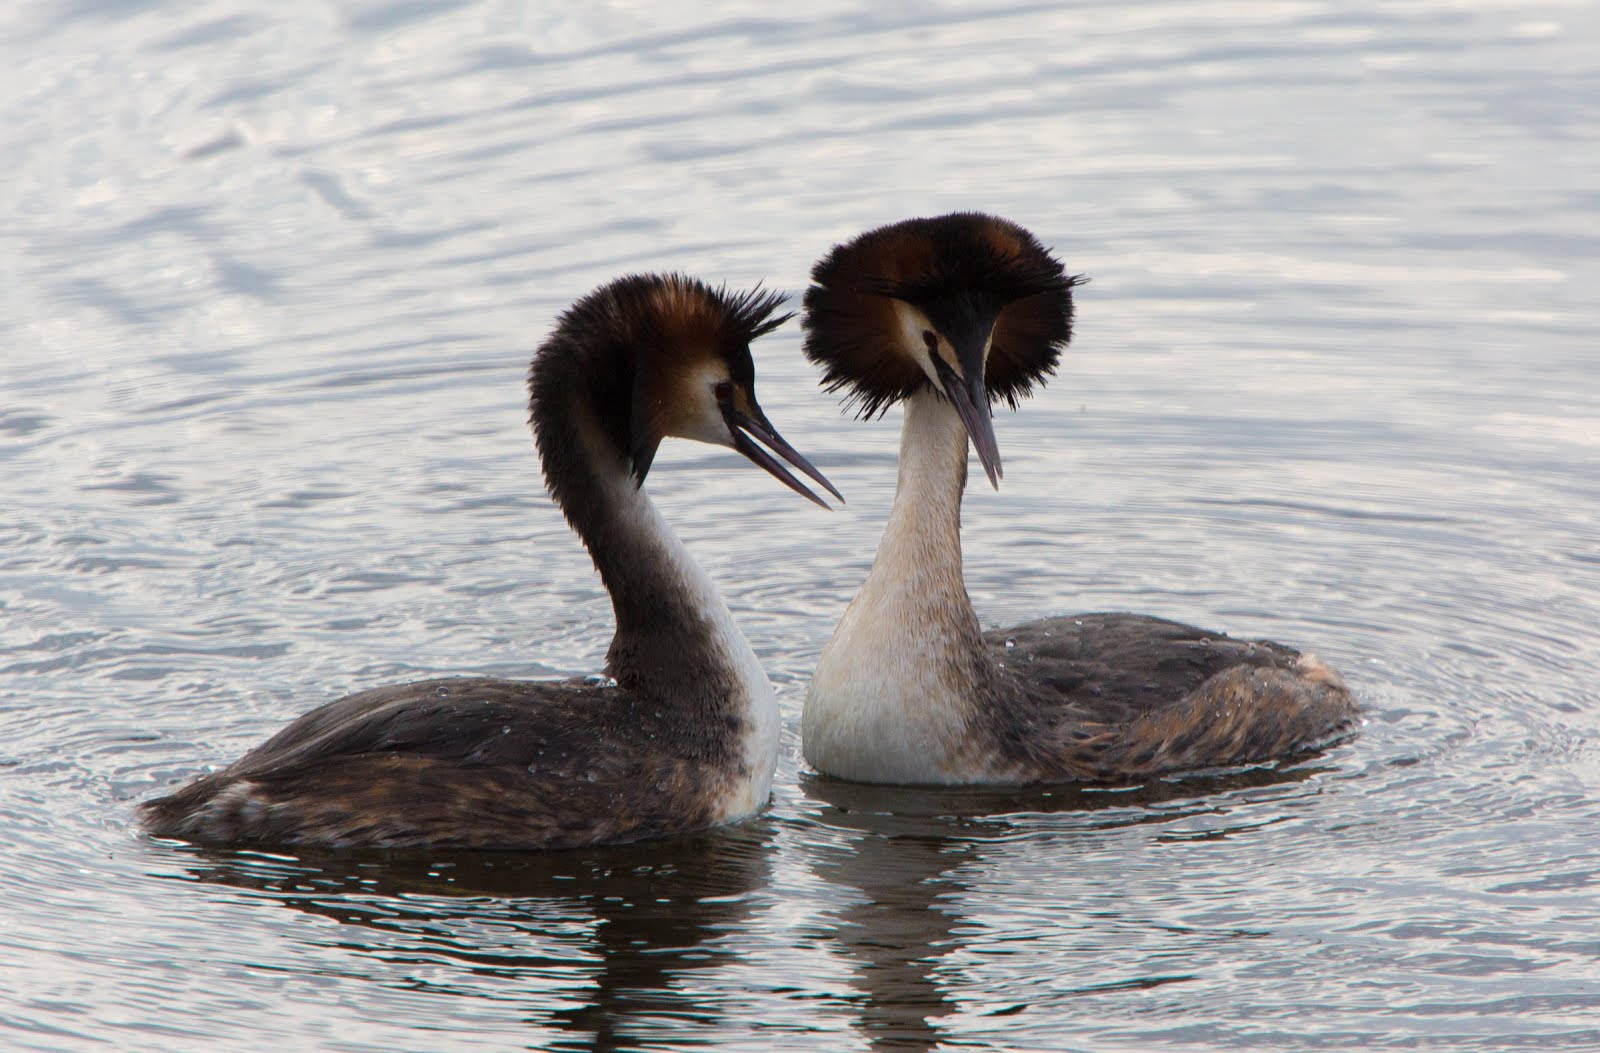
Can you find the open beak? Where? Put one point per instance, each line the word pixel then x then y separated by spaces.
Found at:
pixel 754 425
pixel 971 398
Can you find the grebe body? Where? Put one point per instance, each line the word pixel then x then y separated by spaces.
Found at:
pixel 682 732
pixel 946 316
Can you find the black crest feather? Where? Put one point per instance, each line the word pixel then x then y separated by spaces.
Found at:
pixel 609 348
pixel 750 312
pixel 996 266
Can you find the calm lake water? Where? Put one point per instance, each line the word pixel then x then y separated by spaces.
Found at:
pixel 270 274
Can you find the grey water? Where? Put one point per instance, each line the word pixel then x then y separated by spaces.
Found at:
pixel 270 274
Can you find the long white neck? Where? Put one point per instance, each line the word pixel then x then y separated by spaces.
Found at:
pixel 676 644
pixel 893 691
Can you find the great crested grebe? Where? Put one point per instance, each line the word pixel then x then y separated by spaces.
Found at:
pixel 948 315
pixel 684 733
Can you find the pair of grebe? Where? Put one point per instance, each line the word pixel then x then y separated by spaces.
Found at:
pixel 945 315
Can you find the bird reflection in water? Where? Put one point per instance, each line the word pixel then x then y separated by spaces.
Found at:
pixel 598 942
pixel 914 855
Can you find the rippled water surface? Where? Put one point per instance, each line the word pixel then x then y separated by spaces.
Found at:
pixel 269 278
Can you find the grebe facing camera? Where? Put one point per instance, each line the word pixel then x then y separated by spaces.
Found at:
pixel 947 316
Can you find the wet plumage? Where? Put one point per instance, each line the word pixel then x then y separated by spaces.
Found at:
pixel 947 316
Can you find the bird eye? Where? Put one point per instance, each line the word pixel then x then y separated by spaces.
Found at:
pixel 931 340
pixel 722 390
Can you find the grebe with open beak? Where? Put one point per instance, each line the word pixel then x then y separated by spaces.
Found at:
pixel 681 735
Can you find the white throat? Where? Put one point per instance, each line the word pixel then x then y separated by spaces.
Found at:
pixel 891 697
pixel 755 701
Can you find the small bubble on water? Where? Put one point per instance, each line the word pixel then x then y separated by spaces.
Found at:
pixel 592 776
pixel 1011 645
pixel 442 692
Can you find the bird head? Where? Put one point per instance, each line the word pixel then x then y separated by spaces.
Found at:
pixel 968 304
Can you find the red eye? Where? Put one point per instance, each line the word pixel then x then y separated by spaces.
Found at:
pixel 722 390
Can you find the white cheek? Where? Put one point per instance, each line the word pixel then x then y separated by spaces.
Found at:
pixel 707 426
pixel 703 422
pixel 913 323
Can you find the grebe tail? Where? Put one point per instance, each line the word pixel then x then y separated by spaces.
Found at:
pixel 947 316
pixel 681 734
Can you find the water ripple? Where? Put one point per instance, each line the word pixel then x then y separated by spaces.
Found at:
pixel 263 442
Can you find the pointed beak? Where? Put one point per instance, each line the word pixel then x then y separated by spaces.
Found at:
pixel 745 427
pixel 970 396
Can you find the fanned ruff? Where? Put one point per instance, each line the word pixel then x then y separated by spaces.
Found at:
pixel 996 266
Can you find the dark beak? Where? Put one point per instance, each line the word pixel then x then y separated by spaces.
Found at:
pixel 970 397
pixel 755 425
